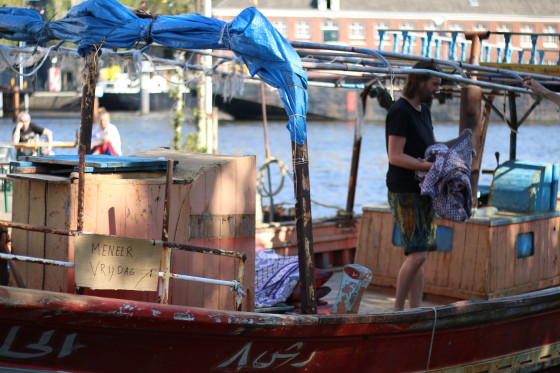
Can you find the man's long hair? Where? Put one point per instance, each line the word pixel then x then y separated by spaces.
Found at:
pixel 411 87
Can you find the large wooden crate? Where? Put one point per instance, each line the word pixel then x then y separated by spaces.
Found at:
pixel 212 205
pixel 489 257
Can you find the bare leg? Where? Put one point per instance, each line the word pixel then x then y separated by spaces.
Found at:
pixel 416 288
pixel 409 269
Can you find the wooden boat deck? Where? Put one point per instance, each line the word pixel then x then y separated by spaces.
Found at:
pixel 375 299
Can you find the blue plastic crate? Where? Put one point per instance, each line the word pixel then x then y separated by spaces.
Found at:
pixel 521 186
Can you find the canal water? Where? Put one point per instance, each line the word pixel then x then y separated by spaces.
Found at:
pixel 330 150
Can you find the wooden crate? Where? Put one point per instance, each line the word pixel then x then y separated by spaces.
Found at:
pixel 334 242
pixel 212 205
pixel 483 262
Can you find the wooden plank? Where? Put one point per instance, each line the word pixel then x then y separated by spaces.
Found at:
pixel 36 244
pixel 510 259
pixel 365 247
pixel 20 214
pixel 213 197
pixel 461 235
pixel 197 204
pixel 91 206
pixel 553 269
pixel 180 291
pixel 443 268
pixel 137 220
pixel 58 200
pixel 468 266
pixel 493 259
pixel 482 261
pixel 245 241
pixel 393 256
pixel 526 268
pixel 536 272
pixel 228 204
pixel 545 257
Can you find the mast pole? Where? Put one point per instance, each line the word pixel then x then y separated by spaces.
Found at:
pixel 86 124
pixel 304 228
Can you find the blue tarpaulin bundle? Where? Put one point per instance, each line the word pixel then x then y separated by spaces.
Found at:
pixel 108 24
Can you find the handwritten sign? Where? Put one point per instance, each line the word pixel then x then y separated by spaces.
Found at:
pixel 111 262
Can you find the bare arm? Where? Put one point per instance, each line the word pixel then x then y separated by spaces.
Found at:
pixel 48 134
pixel 537 87
pixel 397 157
pixel 16 134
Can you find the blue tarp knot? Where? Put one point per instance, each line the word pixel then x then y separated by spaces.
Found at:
pixel 223 32
pixel 148 33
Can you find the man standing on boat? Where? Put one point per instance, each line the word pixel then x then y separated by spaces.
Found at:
pixel 408 133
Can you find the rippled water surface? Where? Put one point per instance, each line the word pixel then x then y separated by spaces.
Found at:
pixel 330 150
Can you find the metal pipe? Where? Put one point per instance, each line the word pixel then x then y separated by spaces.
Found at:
pixel 23 258
pixel 392 72
pixel 33 228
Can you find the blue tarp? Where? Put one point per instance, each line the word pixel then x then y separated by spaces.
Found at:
pixel 109 24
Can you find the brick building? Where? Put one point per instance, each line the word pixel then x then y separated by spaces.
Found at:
pixel 358 23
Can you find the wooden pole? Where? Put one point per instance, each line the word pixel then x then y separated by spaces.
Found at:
pixel 304 227
pixel 86 124
pixel 470 112
pixel 514 126
pixel 358 129
pixel 166 253
pixel 267 151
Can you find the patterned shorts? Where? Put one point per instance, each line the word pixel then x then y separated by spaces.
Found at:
pixel 416 221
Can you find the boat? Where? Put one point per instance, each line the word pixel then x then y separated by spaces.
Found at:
pixel 72 322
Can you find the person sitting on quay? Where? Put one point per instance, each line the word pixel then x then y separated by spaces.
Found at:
pixel 105 136
pixel 28 132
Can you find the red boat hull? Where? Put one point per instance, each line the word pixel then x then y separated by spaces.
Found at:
pixel 43 330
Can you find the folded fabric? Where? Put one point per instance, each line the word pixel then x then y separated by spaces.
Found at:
pixel 275 277
pixel 448 180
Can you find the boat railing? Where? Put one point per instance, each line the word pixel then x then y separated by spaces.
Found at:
pixel 236 285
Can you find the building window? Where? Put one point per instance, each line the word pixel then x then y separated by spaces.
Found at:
pixel 282 27
pixel 430 25
pixel 481 27
pixel 501 38
pixel 460 28
pixel 408 26
pixel 330 31
pixel 381 25
pixel 303 30
pixel 526 39
pixel 550 41
pixel 357 30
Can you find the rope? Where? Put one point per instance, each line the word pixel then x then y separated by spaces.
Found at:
pixel 44 58
pixel 432 340
pixel 260 177
pixel 261 189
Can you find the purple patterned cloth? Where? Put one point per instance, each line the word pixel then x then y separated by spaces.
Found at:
pixel 448 180
pixel 275 277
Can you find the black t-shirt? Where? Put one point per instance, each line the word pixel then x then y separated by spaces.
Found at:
pixel 28 135
pixel 416 126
